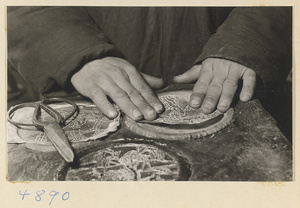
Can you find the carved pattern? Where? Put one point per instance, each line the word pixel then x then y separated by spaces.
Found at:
pixel 180 121
pixel 178 110
pixel 126 162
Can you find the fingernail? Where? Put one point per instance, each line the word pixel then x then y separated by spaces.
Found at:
pixel 150 112
pixel 246 97
pixel 112 113
pixel 195 103
pixel 137 114
pixel 223 104
pixel 158 107
pixel 207 106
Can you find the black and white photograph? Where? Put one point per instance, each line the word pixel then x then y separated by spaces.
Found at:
pixel 99 93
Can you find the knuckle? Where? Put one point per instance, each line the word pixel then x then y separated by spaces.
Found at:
pixel 228 94
pixel 201 87
pixel 134 93
pixel 93 92
pixel 103 104
pixel 216 86
pixel 211 98
pixel 130 69
pixel 145 90
pixel 231 82
pixel 119 94
pixel 116 71
pixel 150 96
pixel 197 95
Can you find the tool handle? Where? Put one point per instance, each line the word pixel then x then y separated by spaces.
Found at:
pixel 59 140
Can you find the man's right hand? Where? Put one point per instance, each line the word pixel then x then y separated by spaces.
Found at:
pixel 119 80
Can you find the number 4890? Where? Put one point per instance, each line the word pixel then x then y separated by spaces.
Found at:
pixel 38 195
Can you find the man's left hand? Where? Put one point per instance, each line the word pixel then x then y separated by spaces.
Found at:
pixel 217 82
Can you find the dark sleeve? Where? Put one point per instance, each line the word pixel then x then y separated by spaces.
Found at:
pixel 259 38
pixel 48 44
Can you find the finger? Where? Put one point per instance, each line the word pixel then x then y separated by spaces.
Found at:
pixel 137 98
pixel 96 94
pixel 189 76
pixel 230 86
pixel 120 97
pixel 215 88
pixel 154 82
pixel 249 82
pixel 140 85
pixel 201 86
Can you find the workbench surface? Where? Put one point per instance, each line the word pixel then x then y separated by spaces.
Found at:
pixel 251 148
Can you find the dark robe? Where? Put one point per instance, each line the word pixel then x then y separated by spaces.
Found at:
pixel 47 45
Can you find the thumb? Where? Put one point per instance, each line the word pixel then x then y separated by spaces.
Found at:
pixel 189 76
pixel 154 82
